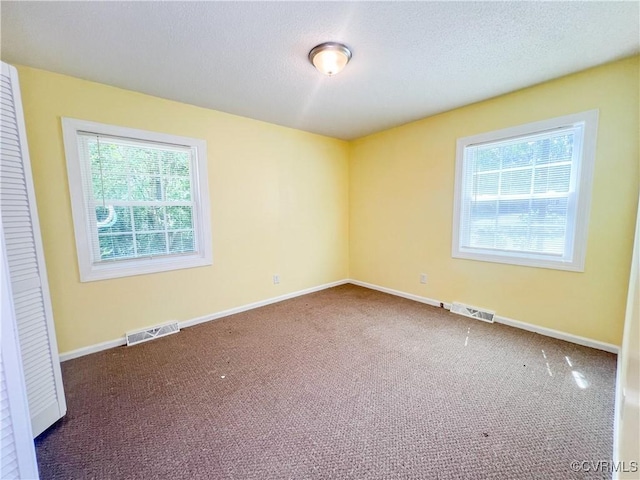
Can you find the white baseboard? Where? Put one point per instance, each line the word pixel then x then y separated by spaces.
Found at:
pixel 261 303
pixel 587 342
pixel 80 352
pixel 98 347
pixel 398 293
pixel 548 332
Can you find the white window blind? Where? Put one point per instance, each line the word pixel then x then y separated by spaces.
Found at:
pixel 144 200
pixel 141 197
pixel 518 196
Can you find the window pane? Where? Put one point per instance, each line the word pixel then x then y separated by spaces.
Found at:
pixel 482 225
pixel 487 159
pixel 559 148
pixel 548 225
pixel 550 210
pixel 148 218
pixel 509 155
pixel 179 218
pixel 113 247
pixel 109 187
pixel 177 188
pixel 512 230
pixel 536 225
pixel 112 219
pixel 486 184
pixel 144 188
pixel 177 163
pixel 107 157
pixel 552 179
pixel 515 182
pixel 144 161
pixel 180 242
pixel 151 244
pixel 512 238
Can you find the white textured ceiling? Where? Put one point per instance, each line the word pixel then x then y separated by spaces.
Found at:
pixel 410 59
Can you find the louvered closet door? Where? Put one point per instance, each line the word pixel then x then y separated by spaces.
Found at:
pixel 26 263
pixel 9 467
pixel 17 454
pixel 9 464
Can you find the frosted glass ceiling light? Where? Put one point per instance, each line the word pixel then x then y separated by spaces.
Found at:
pixel 330 57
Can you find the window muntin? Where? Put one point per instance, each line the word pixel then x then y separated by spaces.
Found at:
pixel 140 200
pixel 522 194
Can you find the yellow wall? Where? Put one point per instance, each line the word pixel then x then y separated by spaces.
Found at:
pixel 401 203
pixel 279 204
pixel 317 210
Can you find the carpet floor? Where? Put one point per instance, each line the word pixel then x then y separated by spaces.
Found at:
pixel 346 383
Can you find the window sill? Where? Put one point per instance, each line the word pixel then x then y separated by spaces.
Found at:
pixel 531 260
pixel 141 266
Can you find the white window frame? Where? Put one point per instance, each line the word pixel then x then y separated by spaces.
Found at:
pixel 579 195
pixel 92 269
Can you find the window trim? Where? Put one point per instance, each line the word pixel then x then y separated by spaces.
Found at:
pixel 77 170
pixel 582 195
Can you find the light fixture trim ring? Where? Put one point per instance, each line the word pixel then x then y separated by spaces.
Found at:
pixel 340 47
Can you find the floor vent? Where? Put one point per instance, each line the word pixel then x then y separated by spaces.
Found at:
pixel 151 333
pixel 473 312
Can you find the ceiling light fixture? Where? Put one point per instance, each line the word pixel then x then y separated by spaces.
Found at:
pixel 330 57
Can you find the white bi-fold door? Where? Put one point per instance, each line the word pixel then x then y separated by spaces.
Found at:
pixel 25 259
pixel 17 454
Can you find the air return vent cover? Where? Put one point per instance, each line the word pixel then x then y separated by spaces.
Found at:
pixel 151 333
pixel 473 312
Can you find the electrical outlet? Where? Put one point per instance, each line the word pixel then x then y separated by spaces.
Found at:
pixel 423 278
pixel 276 279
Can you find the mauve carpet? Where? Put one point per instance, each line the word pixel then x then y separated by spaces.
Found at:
pixel 344 383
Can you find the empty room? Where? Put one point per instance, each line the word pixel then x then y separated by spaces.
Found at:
pixel 320 240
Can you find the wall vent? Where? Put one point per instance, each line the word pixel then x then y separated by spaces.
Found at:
pixel 151 333
pixel 473 312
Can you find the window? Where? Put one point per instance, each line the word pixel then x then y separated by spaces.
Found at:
pixel 523 194
pixel 140 200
